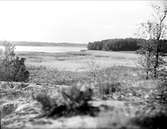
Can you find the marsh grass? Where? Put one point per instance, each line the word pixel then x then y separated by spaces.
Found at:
pixel 117 83
pixel 43 75
pixel 109 81
pixel 104 81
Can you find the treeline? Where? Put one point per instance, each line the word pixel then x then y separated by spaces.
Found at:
pixel 128 44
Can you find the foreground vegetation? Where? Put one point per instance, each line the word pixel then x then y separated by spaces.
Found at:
pixel 118 97
pixel 100 94
pixel 113 97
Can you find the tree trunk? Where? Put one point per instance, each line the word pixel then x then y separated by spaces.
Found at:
pixel 148 65
pixel 156 59
pixel 147 75
pixel 0 120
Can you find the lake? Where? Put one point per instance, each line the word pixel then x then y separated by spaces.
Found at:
pixel 49 49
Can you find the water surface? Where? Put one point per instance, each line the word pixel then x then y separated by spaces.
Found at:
pixel 46 49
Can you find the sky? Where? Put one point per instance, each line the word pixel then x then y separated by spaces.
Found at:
pixel 71 21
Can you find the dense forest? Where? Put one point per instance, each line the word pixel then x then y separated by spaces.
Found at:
pixel 128 44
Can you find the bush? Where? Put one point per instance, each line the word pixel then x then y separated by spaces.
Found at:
pixel 78 98
pixel 159 95
pixel 153 117
pixel 12 67
pixel 154 114
pixel 46 102
pixel 108 89
pixel 8 109
pixel 75 102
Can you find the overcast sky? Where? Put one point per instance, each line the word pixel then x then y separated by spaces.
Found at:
pixel 71 21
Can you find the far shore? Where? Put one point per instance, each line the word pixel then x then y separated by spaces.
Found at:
pixel 46 44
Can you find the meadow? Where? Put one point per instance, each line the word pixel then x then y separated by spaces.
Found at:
pixel 120 91
pixel 80 60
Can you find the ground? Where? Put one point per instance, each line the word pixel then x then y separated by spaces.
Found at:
pixel 50 72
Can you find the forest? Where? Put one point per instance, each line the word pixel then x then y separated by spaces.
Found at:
pixel 127 44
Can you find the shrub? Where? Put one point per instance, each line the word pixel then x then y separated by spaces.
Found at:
pixel 107 89
pixel 154 114
pixel 151 118
pixel 12 67
pixel 78 98
pixel 45 101
pixel 75 101
pixel 8 109
pixel 159 95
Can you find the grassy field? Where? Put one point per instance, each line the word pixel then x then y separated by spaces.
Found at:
pixel 117 71
pixel 80 61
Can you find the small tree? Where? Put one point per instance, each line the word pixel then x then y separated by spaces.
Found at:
pixel 152 50
pixel 12 68
pixel 146 57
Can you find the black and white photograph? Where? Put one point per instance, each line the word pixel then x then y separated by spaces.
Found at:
pixel 83 64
